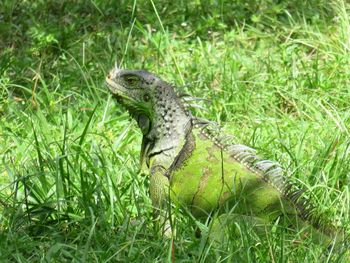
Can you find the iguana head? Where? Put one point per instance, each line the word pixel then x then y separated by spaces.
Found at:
pixel 151 101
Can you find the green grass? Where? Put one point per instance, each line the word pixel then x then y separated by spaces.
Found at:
pixel 277 75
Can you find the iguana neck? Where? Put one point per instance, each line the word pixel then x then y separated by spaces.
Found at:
pixel 170 126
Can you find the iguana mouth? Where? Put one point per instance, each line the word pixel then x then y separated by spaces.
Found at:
pixel 121 94
pixel 116 88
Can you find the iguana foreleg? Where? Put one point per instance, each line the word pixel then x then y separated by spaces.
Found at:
pixel 159 191
pixel 223 226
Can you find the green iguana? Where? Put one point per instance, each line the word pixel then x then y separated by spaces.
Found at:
pixel 190 164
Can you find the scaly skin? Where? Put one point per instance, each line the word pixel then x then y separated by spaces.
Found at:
pixel 192 166
pixel 211 177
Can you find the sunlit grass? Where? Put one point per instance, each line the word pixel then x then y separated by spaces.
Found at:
pixel 70 188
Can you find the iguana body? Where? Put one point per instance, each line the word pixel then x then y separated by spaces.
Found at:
pixel 190 164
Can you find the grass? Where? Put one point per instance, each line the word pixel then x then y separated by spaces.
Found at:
pixel 277 75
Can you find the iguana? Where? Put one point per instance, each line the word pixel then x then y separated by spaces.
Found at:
pixel 191 164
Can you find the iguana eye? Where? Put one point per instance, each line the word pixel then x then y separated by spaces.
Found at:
pixel 131 80
pixel 146 97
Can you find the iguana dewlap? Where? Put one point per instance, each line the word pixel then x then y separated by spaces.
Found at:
pixel 191 164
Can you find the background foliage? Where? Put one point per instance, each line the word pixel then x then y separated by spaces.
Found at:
pixel 277 75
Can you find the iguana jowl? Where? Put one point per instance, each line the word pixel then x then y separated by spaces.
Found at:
pixel 192 165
